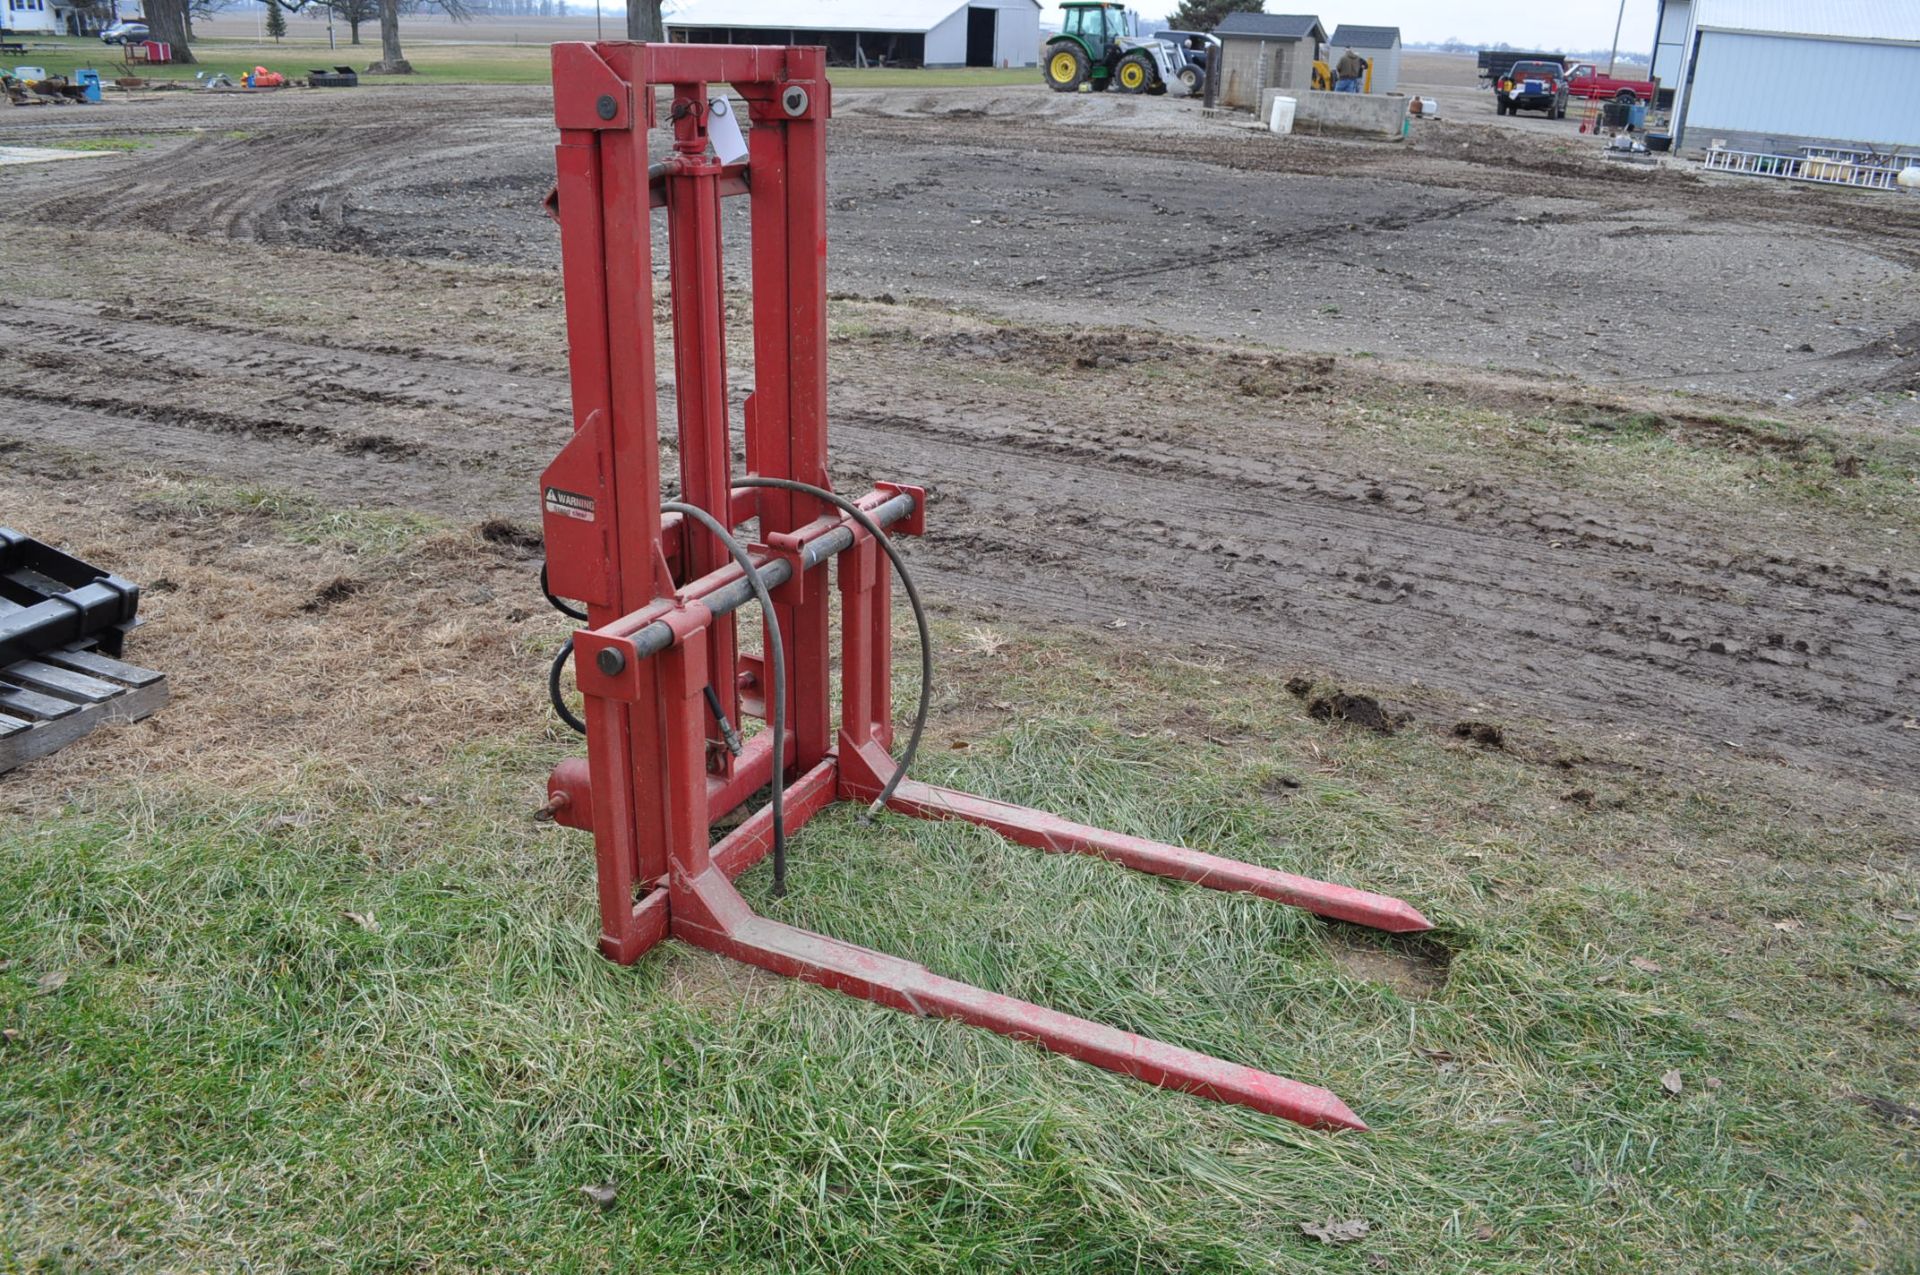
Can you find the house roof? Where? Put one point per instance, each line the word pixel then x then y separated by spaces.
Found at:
pixel 817 15
pixel 1347 35
pixel 1847 19
pixel 1271 26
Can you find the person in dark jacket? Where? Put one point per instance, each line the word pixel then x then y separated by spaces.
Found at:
pixel 1346 76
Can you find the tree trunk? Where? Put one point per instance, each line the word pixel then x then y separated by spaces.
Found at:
pixel 391 62
pixel 354 27
pixel 167 23
pixel 643 21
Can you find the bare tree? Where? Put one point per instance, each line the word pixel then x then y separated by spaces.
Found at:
pixel 167 22
pixel 353 12
pixel 89 17
pixel 392 61
pixel 643 21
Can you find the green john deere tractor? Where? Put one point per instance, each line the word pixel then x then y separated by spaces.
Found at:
pixel 1094 48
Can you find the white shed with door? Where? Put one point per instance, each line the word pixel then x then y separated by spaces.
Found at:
pixel 978 33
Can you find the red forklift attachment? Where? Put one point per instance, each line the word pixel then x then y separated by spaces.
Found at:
pixel 659 664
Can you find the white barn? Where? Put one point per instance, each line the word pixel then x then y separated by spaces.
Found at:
pixel 873 32
pixel 1777 75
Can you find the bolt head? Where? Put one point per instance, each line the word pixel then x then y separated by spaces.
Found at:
pixel 611 661
pixel 794 100
pixel 606 108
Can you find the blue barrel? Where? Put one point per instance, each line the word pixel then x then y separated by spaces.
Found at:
pixel 1637 116
pixel 89 79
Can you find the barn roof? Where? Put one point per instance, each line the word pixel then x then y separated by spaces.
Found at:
pixel 1348 35
pixel 1847 19
pixel 820 15
pixel 1271 26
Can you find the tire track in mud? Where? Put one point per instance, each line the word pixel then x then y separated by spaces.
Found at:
pixel 288 183
pixel 1252 247
pixel 1515 596
pixel 1490 162
pixel 1519 597
pixel 1488 593
pixel 206 347
pixel 386 427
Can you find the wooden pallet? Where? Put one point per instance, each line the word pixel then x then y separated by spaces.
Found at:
pixel 47 703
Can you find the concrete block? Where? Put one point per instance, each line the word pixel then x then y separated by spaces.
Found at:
pixel 1370 114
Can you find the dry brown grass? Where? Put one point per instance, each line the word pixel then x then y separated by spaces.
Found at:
pixel 302 651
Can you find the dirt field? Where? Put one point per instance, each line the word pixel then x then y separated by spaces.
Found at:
pixel 1617 451
pixel 1602 481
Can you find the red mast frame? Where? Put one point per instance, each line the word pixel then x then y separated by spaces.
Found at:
pixel 660 594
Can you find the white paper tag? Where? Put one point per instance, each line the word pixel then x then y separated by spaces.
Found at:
pixel 723 130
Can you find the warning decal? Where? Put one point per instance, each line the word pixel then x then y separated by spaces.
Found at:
pixel 569 504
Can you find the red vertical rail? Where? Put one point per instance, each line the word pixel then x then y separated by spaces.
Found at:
pixel 769 415
pixel 635 434
pixel 857 707
pixel 807 372
pixel 700 374
pixel 577 164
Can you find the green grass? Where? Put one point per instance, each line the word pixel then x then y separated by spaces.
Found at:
pixel 296 518
pixel 951 77
pixel 100 144
pixel 433 62
pixel 360 1024
pixel 1714 461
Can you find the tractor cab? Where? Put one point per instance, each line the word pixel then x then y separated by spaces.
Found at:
pixel 1095 24
pixel 1087 47
pixel 1096 48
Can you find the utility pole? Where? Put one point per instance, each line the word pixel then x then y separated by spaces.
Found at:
pixel 1614 56
pixel 599 34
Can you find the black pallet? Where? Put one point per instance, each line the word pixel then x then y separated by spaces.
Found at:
pixel 63 623
pixel 50 600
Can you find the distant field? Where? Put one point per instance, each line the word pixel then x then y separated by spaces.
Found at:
pixel 1461 70
pixel 434 60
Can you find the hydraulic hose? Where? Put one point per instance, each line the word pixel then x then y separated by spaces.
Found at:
pixel 777 659
pixel 553 687
pixel 776 652
pixel 872 528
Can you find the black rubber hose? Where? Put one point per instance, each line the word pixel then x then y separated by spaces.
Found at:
pixel 776 657
pixel 872 528
pixel 559 604
pixel 553 687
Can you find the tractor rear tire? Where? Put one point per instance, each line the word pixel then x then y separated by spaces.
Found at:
pixel 1065 69
pixel 1134 74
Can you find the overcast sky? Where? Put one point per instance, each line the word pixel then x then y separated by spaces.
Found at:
pixel 1555 24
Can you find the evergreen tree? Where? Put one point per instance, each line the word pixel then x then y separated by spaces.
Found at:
pixel 1205 15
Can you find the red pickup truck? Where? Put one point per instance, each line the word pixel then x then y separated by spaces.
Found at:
pixel 1584 80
